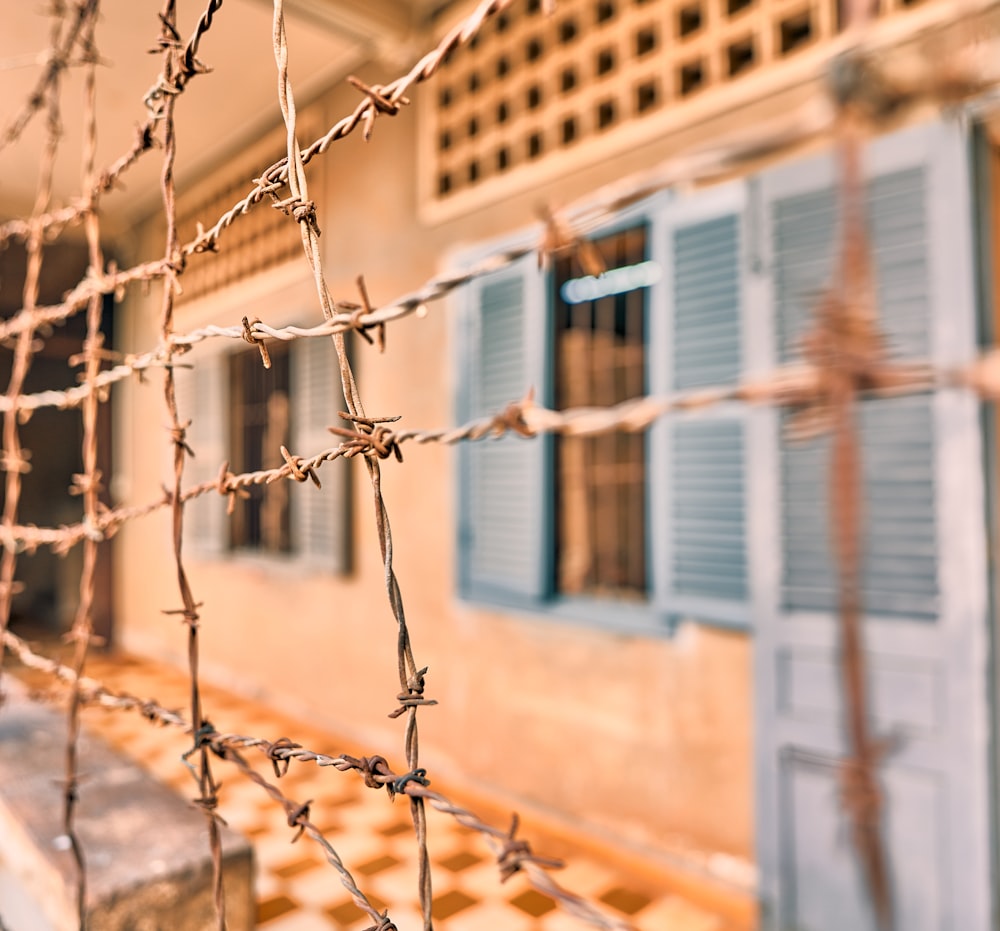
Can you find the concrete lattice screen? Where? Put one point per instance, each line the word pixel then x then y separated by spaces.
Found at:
pixel 825 387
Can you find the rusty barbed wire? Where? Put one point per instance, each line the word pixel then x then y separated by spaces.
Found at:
pixel 374 439
pixel 174 64
pixel 852 78
pixel 850 74
pixel 794 386
pixel 15 458
pixel 298 818
pixel 88 482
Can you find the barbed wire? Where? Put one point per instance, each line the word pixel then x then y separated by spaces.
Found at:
pixel 87 484
pixel 862 93
pixel 797 385
pixel 855 77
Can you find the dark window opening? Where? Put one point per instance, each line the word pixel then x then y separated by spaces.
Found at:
pixel 260 425
pixel 605 11
pixel 645 42
pixel 734 6
pixel 503 159
pixel 444 141
pixel 567 30
pixel 444 183
pixel 795 31
pixel 472 127
pixel 605 114
pixel 473 171
pixel 605 61
pixel 533 50
pixel 503 66
pixel 502 112
pixel 692 77
pixel 444 98
pixel 740 56
pixel 534 145
pixel 503 22
pixel 534 97
pixel 473 82
pixel 600 488
pixel 567 80
pixel 645 96
pixel 568 130
pixel 688 20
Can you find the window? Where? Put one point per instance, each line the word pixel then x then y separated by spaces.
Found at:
pixel 714 515
pixel 259 425
pixel 242 413
pixel 630 528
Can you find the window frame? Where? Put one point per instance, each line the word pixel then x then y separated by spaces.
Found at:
pixel 660 615
pixel 207 529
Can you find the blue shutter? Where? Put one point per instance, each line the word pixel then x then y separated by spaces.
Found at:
pixel 320 516
pixel 897 435
pixel 707 523
pixel 501 521
pixel 202 395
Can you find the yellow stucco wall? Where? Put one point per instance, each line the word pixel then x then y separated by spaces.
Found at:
pixel 646 740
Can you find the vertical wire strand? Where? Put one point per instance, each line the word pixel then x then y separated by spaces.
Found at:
pixel 207 786
pixel 87 484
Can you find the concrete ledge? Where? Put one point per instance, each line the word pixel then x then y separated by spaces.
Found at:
pixel 148 863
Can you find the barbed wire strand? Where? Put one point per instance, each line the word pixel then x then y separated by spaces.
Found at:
pixel 411 678
pixel 15 458
pixel 795 385
pixel 87 483
pixel 207 800
pixel 848 346
pixel 372 438
pixel 563 230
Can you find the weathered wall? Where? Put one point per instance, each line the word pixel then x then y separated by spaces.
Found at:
pixel 645 739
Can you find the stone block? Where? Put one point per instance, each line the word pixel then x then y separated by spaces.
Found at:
pixel 146 848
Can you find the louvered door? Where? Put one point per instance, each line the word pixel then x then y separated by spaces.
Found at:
pixel 924 578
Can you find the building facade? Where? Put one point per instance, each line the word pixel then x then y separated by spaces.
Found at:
pixel 631 636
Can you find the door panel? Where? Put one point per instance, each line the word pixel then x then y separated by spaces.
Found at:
pixel 924 575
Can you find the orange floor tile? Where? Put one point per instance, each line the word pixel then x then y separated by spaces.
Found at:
pixel 297 890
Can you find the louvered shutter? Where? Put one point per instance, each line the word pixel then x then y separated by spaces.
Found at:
pixel 897 435
pixel 501 522
pixel 320 517
pixel 202 396
pixel 707 520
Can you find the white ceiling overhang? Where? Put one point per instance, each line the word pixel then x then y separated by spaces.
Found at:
pixel 218 113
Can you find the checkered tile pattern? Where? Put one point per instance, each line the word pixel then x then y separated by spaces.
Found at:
pixel 298 891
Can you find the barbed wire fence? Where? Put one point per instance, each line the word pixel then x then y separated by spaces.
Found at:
pixel 844 361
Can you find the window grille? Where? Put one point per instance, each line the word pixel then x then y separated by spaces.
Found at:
pixel 260 424
pixel 532 86
pixel 600 490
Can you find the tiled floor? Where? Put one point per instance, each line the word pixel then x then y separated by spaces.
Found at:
pixel 298 891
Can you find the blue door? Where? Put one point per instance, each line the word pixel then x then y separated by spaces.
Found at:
pixel 924 581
